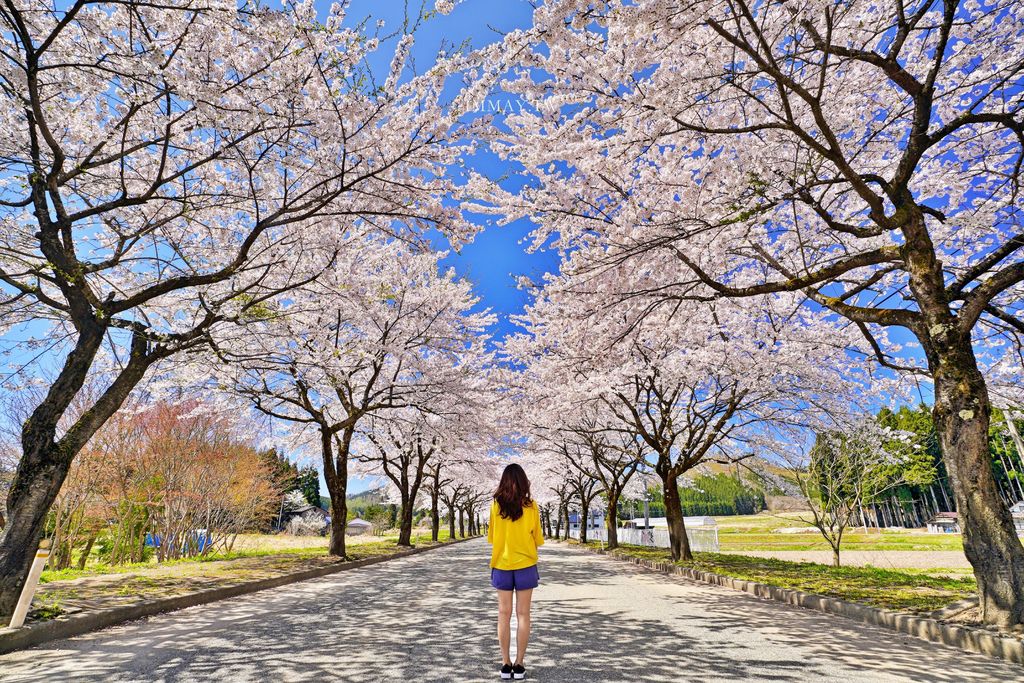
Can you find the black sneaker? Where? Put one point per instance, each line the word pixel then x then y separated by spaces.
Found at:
pixel 519 672
pixel 506 671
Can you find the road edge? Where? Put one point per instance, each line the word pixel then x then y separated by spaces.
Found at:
pixel 969 639
pixel 12 640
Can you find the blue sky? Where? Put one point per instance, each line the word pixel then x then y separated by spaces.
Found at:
pixel 497 255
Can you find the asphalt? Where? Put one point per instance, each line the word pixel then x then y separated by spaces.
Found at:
pixel 431 617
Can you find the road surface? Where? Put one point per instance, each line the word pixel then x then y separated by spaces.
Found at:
pixel 430 617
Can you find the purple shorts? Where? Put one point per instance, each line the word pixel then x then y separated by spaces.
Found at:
pixel 515 579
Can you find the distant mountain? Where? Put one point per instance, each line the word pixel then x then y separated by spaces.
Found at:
pixel 368 497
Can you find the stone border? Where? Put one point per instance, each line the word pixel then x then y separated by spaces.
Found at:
pixel 971 639
pixel 12 639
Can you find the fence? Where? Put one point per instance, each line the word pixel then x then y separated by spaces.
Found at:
pixel 702 540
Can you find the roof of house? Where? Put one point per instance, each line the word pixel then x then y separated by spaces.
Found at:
pixel 941 517
pixel 358 522
pixel 304 509
pixel 702 520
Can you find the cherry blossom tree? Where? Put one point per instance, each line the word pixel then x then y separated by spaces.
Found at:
pixel 162 167
pixel 866 155
pixel 704 382
pixel 438 478
pixel 401 450
pixel 415 447
pixel 383 330
pixel 615 455
pixel 548 484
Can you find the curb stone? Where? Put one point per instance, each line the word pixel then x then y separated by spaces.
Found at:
pixel 12 639
pixel 971 639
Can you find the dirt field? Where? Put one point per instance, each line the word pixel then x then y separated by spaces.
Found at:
pixel 953 560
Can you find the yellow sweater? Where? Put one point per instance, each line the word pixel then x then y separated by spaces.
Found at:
pixel 514 543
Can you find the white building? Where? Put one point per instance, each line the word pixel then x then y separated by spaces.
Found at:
pixel 662 522
pixel 1017 510
pixel 944 523
pixel 358 527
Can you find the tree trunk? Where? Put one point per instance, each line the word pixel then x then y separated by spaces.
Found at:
pixel 37 483
pixel 565 515
pixel 611 521
pixel 84 557
pixel 435 515
pixel 405 523
pixel 678 541
pixel 962 414
pixel 45 461
pixel 462 524
pixel 336 476
pixel 835 557
pixel 584 519
pixel 451 523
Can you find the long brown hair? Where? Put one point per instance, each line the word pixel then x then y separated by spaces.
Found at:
pixel 513 492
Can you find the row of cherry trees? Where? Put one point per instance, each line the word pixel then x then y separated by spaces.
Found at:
pixel 865 157
pixel 179 183
pixel 380 361
pixel 605 395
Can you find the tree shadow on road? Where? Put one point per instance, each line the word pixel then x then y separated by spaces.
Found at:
pixel 431 616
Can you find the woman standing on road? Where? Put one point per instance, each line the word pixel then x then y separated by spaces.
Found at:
pixel 515 534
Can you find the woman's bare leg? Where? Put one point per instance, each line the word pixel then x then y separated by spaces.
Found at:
pixel 522 623
pixel 504 627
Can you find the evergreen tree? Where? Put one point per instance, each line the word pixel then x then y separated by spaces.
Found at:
pixel 308 481
pixel 284 470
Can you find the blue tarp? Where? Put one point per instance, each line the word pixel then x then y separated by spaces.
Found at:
pixel 195 541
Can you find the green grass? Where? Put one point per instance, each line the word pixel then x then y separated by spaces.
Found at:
pixel 886 588
pixel 755 532
pixel 356 551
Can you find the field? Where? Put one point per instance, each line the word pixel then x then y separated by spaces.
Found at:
pixel 758 532
pixel 910 551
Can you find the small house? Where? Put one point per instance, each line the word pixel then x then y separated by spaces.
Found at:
pixel 944 523
pixel 358 527
pixel 1017 512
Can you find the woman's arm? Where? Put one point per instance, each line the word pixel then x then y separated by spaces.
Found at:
pixel 538 533
pixel 490 524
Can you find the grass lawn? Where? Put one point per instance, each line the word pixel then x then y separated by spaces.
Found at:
pixel 286 547
pixel 757 532
pixel 909 591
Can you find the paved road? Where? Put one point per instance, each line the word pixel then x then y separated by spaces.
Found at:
pixel 429 617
